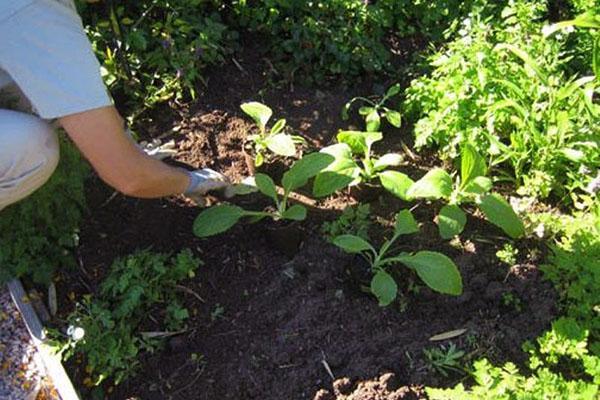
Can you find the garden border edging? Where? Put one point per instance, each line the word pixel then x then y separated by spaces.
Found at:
pixel 52 362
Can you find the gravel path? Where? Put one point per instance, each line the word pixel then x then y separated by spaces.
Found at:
pixel 21 370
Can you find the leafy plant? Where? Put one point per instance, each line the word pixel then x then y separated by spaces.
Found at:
pixel 376 110
pixel 152 52
pixel 588 20
pixel 273 139
pixel 564 362
pixel 354 220
pixel 472 186
pixel 222 217
pixel 508 254
pixel 504 88
pixel 26 250
pixel 444 359
pixel 105 328
pixel 354 164
pixel 435 269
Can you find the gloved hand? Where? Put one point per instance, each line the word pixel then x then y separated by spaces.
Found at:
pixel 203 181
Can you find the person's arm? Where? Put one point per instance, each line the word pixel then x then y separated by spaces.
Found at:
pixel 99 135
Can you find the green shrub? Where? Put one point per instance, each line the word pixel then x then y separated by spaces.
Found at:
pixel 155 51
pixel 565 361
pixel 38 234
pixel 501 86
pixel 347 38
pixel 106 328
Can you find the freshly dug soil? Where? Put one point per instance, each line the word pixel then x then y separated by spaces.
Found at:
pixel 274 327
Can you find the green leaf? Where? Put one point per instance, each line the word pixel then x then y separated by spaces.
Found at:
pixel 266 186
pixel 328 182
pixel 359 142
pixel 472 165
pixel 527 60
pixel 596 57
pixel 258 112
pixel 295 212
pixel 373 121
pixel 278 127
pixel 396 183
pixel 393 90
pixel 281 144
pixel 304 169
pixel 500 213
pixel 352 244
pixel 451 221
pixel 479 185
pixel 365 110
pixel 393 117
pixel 388 160
pixel 217 219
pixel 384 288
pixel 436 270
pixel 436 184
pixel 585 20
pixel 405 223
pixel 567 90
pixel 259 159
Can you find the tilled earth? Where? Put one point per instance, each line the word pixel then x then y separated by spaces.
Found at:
pixel 273 327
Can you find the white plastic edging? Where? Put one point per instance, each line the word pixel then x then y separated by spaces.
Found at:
pixel 52 362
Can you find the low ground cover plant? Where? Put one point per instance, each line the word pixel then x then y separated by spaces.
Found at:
pixel 472 186
pixel 354 220
pixel 375 110
pixel 222 217
pixel 564 362
pixel 28 251
pixel 274 138
pixel 435 269
pixel 105 328
pixel 355 164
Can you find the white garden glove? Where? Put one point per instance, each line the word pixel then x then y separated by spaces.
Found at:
pixel 203 181
pixel 155 149
pixel 158 150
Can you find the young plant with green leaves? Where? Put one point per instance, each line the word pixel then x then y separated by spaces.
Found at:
pixel 222 217
pixel 472 186
pixel 274 138
pixel 435 269
pixel 354 164
pixel 105 328
pixel 374 111
pixel 444 360
pixel 588 20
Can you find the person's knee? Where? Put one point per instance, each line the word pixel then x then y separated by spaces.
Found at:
pixel 29 154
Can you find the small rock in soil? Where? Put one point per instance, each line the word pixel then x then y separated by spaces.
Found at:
pixel 342 386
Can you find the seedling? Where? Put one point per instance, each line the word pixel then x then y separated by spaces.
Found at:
pixel 354 164
pixel 472 186
pixel 374 111
pixel 444 359
pixel 435 269
pixel 274 138
pixel 220 218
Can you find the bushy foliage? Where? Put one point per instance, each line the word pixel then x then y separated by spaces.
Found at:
pixel 320 39
pixel 501 86
pixel 108 324
pixel 155 51
pixel 38 234
pixel 565 361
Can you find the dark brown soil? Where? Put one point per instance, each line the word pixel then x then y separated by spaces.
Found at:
pixel 273 327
